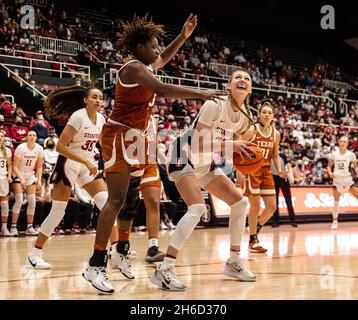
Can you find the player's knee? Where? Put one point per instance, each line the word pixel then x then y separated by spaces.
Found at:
pixel 116 203
pixel 271 206
pixel 152 204
pixel 239 208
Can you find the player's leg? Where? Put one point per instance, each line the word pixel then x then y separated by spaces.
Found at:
pixel 19 199
pixel 4 204
pixel 120 256
pixel 60 196
pixel 335 210
pixel 30 212
pixel 189 190
pixel 223 188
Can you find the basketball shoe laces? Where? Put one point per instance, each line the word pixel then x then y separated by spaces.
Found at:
pixel 103 271
pixel 169 273
pixel 126 259
pixel 238 266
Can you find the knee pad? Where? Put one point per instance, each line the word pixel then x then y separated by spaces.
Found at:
pixel 19 199
pixel 237 221
pixel 54 218
pixel 187 224
pixel 100 199
pixel 31 204
pixel 4 208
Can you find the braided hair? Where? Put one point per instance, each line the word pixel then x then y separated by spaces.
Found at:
pixel 139 30
pixel 65 101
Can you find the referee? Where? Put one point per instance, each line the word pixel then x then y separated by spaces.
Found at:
pixel 284 185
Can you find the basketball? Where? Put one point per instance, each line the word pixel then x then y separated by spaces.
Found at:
pixel 249 166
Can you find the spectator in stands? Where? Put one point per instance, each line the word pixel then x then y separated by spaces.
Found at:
pixel 41 130
pixel 50 153
pixel 51 135
pixel 107 45
pixel 19 112
pixel 40 119
pixel 3 128
pixel 5 105
pixel 18 132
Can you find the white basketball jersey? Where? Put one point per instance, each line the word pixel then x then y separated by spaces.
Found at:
pixel 86 137
pixel 3 161
pixel 342 162
pixel 28 157
pixel 225 122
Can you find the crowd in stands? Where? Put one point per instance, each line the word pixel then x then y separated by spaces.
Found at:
pixel 195 56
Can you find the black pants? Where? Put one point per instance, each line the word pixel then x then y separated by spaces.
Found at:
pixel 284 185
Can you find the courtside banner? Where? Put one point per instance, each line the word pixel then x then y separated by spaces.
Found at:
pixel 305 200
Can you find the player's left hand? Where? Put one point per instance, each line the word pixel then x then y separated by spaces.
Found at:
pixel 189 25
pixel 282 174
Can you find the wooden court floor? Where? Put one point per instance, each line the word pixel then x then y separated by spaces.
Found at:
pixel 308 262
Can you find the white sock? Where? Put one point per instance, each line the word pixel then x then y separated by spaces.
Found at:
pixel 166 261
pixel 153 242
pixel 234 255
pixel 29 225
pixel 3 225
pixel 36 251
pixel 335 210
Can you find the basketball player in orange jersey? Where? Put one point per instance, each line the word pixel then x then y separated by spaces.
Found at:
pixel 148 182
pixel 261 183
pixel 223 124
pixel 134 98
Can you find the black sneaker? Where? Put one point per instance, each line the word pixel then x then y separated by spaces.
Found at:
pixel 275 225
pixel 293 224
pixel 154 255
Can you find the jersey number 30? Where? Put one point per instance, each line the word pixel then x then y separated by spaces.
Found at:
pixel 89 145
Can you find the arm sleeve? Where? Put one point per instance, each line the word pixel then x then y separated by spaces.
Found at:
pixel 208 113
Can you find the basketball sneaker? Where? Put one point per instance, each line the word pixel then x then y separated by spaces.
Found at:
pixel 30 231
pixel 35 261
pixel 255 247
pixel 334 225
pixel 122 262
pixel 237 270
pixel 154 255
pixel 165 278
pixel 5 232
pixel 163 226
pixel 14 232
pixel 99 278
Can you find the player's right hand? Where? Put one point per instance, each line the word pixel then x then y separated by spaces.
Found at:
pixel 242 147
pixel 23 183
pixel 332 175
pixel 213 94
pixel 92 168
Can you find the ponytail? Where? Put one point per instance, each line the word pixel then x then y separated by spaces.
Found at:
pixel 65 101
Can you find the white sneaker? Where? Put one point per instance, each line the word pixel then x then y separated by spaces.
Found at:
pixel 5 232
pixel 122 262
pixel 237 270
pixel 35 261
pixel 171 225
pixel 165 278
pixel 99 279
pixel 14 232
pixel 334 225
pixel 163 226
pixel 130 255
pixel 30 231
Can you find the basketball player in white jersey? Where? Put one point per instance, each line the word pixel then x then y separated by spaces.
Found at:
pixel 219 125
pixel 342 178
pixel 28 159
pixel 5 180
pixel 75 163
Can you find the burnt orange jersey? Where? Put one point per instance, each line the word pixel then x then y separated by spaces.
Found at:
pixel 266 143
pixel 132 103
